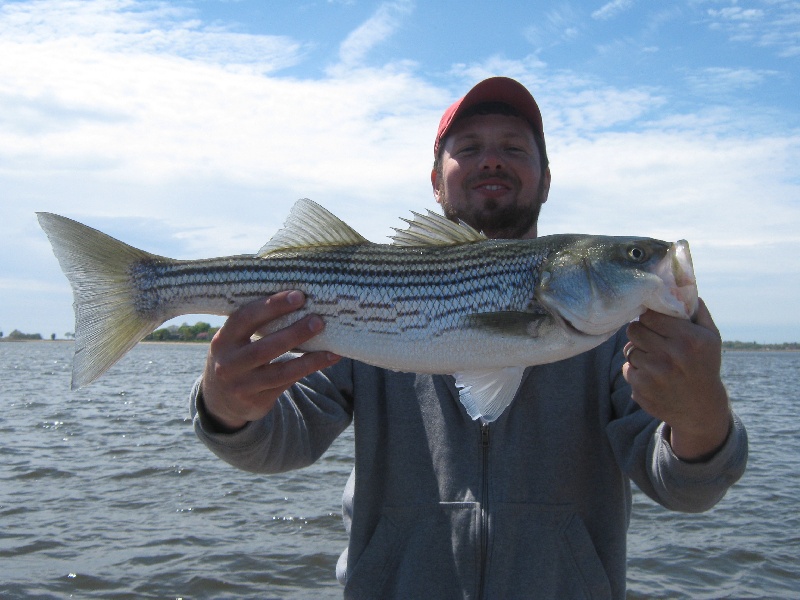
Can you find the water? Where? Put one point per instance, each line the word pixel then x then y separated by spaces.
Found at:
pixel 106 493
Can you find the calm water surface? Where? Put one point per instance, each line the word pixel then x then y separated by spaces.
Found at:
pixel 106 493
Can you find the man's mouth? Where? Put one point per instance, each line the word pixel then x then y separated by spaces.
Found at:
pixel 491 186
pixel 496 183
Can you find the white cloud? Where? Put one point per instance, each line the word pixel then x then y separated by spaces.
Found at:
pixel 737 13
pixel 726 81
pixel 612 9
pixel 106 107
pixel 766 23
pixel 585 109
pixel 376 29
pixel 127 26
pixel 561 24
pixel 677 183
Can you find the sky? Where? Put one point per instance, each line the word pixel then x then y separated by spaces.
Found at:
pixel 189 128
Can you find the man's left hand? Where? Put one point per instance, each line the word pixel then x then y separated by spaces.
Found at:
pixel 673 369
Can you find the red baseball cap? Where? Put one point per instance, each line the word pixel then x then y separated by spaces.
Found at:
pixel 494 89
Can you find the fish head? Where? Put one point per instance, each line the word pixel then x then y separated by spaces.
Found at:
pixel 596 284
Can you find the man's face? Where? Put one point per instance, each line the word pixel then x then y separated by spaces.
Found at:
pixel 491 176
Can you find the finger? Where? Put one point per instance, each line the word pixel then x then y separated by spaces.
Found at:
pixel 275 377
pixel 633 376
pixel 643 337
pixel 244 322
pixel 703 317
pixel 235 362
pixel 273 345
pixel 635 357
pixel 279 376
pixel 233 396
pixel 626 351
pixel 663 325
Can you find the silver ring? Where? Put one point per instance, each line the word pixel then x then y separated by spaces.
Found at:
pixel 628 351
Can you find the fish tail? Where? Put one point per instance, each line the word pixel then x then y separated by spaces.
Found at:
pixel 98 267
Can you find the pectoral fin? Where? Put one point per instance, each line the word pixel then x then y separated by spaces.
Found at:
pixel 514 323
pixel 487 393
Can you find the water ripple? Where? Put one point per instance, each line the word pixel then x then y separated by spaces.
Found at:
pixel 106 494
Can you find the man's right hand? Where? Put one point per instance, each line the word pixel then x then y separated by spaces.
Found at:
pixel 240 381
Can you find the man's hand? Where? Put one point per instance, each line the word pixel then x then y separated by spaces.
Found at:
pixel 674 371
pixel 240 382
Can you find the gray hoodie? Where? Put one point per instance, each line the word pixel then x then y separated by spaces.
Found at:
pixel 533 505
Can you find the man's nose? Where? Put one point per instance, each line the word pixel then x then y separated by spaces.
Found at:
pixel 492 159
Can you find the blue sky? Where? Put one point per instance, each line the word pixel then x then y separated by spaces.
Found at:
pixel 189 128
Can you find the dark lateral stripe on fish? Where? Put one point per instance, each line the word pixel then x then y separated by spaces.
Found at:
pixel 443 291
pixel 311 271
pixel 441 274
pixel 381 258
pixel 178 279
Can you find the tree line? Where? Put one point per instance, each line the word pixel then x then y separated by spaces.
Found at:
pixel 757 346
pixel 199 332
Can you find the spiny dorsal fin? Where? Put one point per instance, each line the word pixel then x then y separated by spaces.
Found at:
pixel 309 225
pixel 435 230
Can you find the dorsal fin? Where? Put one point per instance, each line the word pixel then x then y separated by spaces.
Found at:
pixel 309 225
pixel 435 230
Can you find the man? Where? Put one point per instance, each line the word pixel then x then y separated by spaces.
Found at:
pixel 533 505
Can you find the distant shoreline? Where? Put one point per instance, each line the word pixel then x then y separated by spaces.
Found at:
pixel 20 341
pixel 753 346
pixel 760 349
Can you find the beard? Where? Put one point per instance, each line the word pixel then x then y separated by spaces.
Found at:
pixel 496 221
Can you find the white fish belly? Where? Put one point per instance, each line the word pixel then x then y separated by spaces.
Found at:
pixel 453 351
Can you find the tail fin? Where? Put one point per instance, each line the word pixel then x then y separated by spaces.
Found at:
pixel 107 324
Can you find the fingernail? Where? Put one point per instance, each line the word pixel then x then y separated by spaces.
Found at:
pixel 295 298
pixel 315 324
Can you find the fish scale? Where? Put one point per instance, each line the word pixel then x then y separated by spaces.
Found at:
pixel 441 299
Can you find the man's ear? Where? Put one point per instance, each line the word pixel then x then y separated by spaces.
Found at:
pixel 435 183
pixel 545 186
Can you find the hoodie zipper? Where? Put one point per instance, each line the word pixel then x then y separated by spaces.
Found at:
pixel 484 514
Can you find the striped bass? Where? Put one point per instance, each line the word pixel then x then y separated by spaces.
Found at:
pixel 441 299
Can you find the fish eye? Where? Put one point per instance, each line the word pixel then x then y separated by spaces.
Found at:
pixel 637 254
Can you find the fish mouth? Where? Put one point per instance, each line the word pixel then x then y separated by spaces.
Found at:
pixel 676 270
pixel 685 281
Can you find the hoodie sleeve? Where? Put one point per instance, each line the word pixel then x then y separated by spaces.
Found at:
pixel 306 420
pixel 641 445
pixel 696 486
